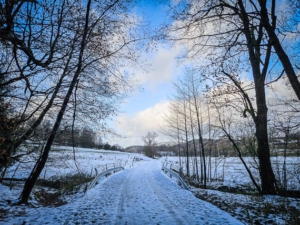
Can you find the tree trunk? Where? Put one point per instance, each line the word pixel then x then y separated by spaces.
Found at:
pixel 178 139
pixel 284 59
pixel 194 143
pixel 187 142
pixel 268 182
pixel 35 173
pixel 209 144
pixel 201 145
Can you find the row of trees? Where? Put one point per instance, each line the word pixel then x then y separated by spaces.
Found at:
pixel 185 123
pixel 60 61
pixel 224 131
pixel 240 48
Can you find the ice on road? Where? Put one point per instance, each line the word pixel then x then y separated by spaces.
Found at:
pixel 139 195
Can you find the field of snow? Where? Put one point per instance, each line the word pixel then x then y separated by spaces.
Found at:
pixel 140 194
pixel 88 161
pixel 232 173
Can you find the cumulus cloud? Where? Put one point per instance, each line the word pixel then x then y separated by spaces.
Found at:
pixel 136 126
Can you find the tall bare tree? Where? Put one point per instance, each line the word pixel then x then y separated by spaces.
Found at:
pixel 94 49
pixel 232 38
pixel 31 46
pixel 177 123
pixel 173 126
pixel 195 96
pixel 39 44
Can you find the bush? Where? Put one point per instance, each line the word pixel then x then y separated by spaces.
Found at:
pixel 68 183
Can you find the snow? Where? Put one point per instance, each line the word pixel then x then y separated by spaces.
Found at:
pixel 232 173
pixel 88 161
pixel 250 209
pixel 140 194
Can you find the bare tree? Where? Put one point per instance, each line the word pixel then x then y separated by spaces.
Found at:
pixel 173 127
pixel 31 46
pixel 284 129
pixel 150 143
pixel 176 125
pixel 100 39
pixel 231 38
pixel 227 127
pixel 194 96
pixel 40 45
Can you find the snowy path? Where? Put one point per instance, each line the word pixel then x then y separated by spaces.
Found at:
pixel 140 195
pixel 142 199
pixel 144 195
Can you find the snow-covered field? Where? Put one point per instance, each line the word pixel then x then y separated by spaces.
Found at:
pixel 140 194
pixel 231 172
pixel 88 161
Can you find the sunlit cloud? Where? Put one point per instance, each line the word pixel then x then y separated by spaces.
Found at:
pixel 159 67
pixel 133 128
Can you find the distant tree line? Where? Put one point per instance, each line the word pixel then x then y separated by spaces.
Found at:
pixel 83 137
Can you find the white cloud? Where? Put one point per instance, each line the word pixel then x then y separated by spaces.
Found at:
pixel 159 67
pixel 281 89
pixel 136 126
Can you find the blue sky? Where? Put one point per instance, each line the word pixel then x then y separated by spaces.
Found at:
pixel 145 107
pixel 144 110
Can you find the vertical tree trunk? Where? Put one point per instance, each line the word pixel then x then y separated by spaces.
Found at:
pixel 202 148
pixel 178 139
pixel 194 142
pixel 209 144
pixel 35 173
pixel 268 182
pixel 201 145
pixel 199 124
pixel 186 141
pixel 286 140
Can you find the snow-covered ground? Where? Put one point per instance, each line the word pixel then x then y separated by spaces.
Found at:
pixel 88 161
pixel 140 194
pixel 231 172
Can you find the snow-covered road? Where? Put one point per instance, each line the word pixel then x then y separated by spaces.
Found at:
pixel 145 195
pixel 139 195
